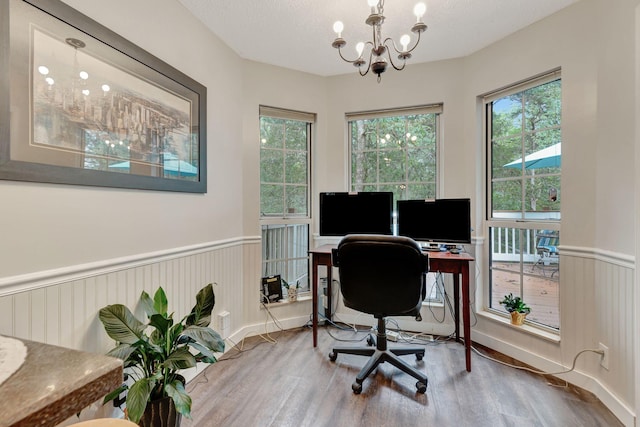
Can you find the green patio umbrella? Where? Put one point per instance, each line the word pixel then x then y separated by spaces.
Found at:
pixel 550 157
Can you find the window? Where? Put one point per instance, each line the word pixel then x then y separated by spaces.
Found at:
pixel 396 150
pixel 523 134
pixel 285 141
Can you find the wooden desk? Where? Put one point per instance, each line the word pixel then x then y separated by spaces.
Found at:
pixel 444 262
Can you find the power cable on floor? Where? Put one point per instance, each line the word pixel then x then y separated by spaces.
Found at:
pixel 535 371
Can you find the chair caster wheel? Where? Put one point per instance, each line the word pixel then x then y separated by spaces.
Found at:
pixel 333 356
pixel 422 387
pixel 357 388
pixel 419 356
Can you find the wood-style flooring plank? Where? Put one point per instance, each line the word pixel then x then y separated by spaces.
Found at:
pixel 291 384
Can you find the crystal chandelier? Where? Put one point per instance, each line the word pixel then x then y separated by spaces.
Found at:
pixel 379 47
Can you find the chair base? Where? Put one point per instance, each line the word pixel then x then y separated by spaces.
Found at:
pixel 381 354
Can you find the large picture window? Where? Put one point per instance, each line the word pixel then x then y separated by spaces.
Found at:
pixel 285 142
pixel 523 134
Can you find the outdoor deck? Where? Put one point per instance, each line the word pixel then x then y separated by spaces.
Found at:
pixel 541 288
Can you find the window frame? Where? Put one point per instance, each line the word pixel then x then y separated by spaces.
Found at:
pixel 522 224
pixel 436 109
pixel 287 219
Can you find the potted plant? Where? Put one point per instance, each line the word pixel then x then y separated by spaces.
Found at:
pixel 516 307
pixel 154 352
pixel 292 291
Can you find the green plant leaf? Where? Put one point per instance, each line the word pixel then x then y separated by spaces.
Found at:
pixel 147 304
pixel 174 334
pixel 206 336
pixel 201 313
pixel 115 393
pixel 176 391
pixel 180 359
pixel 121 324
pixel 205 354
pixel 137 398
pixel 161 323
pixel 122 351
pixel 160 303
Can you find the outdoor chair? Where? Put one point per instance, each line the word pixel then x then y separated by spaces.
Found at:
pixel 547 251
pixel 383 276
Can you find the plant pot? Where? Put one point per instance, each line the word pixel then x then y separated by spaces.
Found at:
pixel 517 318
pixel 293 294
pixel 161 413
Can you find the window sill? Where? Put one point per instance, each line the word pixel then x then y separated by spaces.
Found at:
pixel 527 328
pixel 284 302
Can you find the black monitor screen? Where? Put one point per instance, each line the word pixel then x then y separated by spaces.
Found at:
pixel 356 213
pixel 440 220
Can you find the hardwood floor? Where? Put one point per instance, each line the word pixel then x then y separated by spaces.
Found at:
pixel 289 383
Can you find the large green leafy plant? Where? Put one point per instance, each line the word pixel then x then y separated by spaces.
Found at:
pixel 154 359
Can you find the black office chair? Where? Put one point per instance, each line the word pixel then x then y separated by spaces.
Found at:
pixel 383 276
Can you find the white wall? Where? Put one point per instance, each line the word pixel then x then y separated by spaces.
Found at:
pixel 276 87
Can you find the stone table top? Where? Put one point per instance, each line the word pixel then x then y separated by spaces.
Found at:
pixel 55 383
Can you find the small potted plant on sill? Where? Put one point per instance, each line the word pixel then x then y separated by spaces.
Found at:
pixel 517 308
pixel 292 291
pixel 154 359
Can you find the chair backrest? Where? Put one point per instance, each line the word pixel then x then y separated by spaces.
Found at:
pixel 381 275
pixel 547 240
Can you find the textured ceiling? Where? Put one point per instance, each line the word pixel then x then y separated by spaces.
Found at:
pixel 297 34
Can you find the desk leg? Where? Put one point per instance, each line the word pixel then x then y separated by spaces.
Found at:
pixel 466 314
pixel 456 304
pixel 327 312
pixel 314 299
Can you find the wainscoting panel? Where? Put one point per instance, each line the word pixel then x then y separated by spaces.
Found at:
pixel 614 296
pixel 61 307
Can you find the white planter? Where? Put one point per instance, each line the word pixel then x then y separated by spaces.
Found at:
pixel 293 294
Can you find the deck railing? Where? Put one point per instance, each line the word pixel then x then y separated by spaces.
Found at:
pixel 285 250
pixel 285 247
pixel 506 245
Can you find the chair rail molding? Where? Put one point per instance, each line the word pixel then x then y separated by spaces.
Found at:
pixel 32 281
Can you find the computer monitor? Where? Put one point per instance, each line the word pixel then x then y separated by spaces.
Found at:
pixel 438 221
pixel 345 213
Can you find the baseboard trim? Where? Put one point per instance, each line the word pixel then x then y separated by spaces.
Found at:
pixel 263 328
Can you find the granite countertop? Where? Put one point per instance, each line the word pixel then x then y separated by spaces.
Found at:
pixel 55 383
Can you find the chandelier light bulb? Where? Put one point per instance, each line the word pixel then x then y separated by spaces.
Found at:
pixel 49 81
pixel 85 92
pixel 360 48
pixel 84 75
pixel 106 88
pixel 338 26
pixel 404 41
pixel 43 70
pixel 372 4
pixel 419 10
